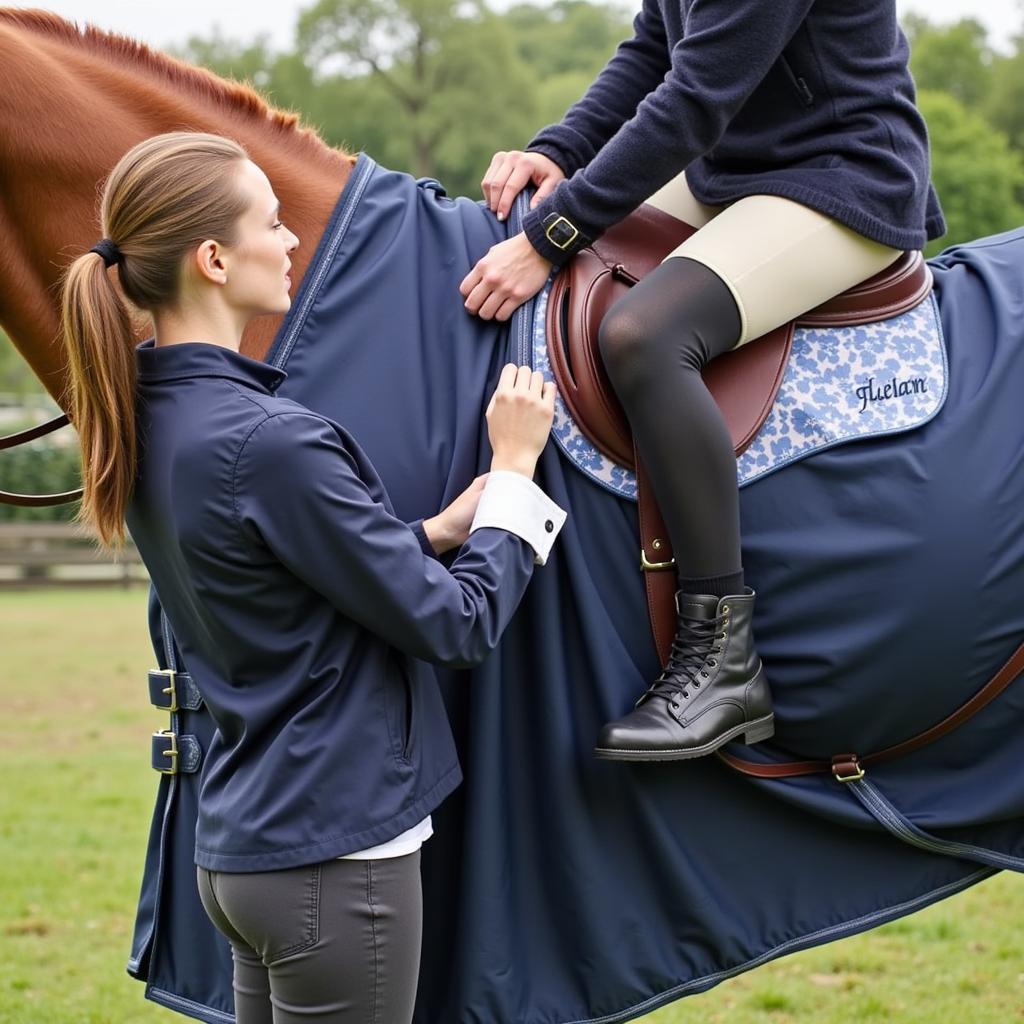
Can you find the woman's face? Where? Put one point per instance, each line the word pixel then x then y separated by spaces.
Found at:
pixel 257 266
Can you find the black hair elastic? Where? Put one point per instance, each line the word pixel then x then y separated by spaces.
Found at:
pixel 108 249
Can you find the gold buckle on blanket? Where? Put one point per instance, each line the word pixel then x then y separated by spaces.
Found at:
pixel 847 768
pixel 171 690
pixel 171 752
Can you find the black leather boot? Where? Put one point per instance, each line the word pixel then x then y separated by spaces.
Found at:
pixel 712 689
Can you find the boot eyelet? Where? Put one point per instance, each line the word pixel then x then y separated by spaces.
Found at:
pixel 725 608
pixel 703 673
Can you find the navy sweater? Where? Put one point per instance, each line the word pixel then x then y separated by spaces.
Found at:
pixel 807 99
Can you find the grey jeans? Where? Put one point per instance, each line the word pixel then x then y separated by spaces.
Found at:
pixel 332 943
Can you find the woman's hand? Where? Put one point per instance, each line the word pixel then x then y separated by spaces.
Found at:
pixel 511 272
pixel 450 527
pixel 519 418
pixel 510 172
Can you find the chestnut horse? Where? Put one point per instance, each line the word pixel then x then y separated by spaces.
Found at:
pixel 71 104
pixel 559 889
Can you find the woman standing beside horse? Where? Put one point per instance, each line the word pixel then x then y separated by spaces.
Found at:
pixel 298 601
pixel 806 171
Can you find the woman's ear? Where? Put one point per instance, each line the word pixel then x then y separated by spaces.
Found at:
pixel 210 262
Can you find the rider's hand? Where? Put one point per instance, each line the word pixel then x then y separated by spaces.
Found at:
pixel 509 173
pixel 450 527
pixel 511 272
pixel 519 418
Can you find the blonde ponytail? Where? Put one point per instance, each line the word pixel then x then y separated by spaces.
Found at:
pixel 99 339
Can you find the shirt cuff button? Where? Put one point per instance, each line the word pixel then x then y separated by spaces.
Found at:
pixel 549 526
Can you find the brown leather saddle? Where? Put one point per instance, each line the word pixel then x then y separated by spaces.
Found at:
pixel 744 382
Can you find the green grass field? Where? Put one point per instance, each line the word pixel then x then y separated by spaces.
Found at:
pixel 74 813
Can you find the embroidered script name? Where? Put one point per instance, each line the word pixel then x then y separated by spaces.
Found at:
pixel 872 392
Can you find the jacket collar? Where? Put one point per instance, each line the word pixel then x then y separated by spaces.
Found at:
pixel 158 364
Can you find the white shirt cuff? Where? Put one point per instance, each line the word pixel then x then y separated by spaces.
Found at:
pixel 513 502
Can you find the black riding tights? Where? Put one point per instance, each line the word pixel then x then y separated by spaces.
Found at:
pixel 655 341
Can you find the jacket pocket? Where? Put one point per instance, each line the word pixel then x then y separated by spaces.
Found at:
pixel 797 81
pixel 399 708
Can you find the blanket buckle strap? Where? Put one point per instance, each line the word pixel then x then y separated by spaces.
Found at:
pixel 165 745
pixel 847 768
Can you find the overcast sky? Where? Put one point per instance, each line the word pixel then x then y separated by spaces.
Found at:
pixel 173 22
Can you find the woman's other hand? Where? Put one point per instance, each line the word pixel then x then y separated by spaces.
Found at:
pixel 450 527
pixel 509 173
pixel 519 418
pixel 511 272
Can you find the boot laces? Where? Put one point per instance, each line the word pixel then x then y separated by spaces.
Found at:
pixel 694 646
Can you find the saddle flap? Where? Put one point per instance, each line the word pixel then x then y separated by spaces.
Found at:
pixel 743 382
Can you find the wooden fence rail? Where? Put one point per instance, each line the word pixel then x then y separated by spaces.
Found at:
pixel 58 554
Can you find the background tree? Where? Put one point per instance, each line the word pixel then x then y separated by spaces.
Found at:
pixel 436 65
pixel 565 45
pixel 1005 105
pixel 955 58
pixel 977 175
pixel 15 376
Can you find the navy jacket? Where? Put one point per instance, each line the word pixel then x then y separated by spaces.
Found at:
pixel 807 99
pixel 300 606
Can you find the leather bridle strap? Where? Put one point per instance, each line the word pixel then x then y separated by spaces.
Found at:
pixel 40 430
pixel 850 766
pixel 23 437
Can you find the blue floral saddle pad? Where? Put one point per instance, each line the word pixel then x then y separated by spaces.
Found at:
pixel 841 384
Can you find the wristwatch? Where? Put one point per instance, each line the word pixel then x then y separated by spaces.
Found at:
pixel 562 233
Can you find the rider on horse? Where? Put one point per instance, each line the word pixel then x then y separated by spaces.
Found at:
pixel 807 171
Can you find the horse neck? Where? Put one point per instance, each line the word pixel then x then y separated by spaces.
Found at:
pixel 71 106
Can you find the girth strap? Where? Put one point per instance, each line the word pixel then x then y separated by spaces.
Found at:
pixel 850 767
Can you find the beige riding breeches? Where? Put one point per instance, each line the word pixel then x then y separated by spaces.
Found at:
pixel 778 257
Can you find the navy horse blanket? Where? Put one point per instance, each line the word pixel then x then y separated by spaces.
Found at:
pixel 560 889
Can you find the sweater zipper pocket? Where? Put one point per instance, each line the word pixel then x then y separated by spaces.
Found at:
pixel 803 90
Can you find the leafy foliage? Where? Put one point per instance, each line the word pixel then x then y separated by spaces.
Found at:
pixel 15 376
pixel 951 58
pixel 977 175
pixel 39 467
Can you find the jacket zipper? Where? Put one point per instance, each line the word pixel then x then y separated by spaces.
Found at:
pixel 799 83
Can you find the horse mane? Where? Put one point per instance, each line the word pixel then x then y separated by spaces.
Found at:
pixel 230 96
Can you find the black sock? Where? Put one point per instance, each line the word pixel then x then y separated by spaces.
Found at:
pixel 718 586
